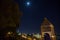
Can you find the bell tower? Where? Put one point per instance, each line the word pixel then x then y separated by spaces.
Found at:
pixel 47 27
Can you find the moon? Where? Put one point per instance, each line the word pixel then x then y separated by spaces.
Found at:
pixel 28 3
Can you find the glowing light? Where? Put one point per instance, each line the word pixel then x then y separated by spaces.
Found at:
pixel 37 35
pixel 52 36
pixel 34 39
pixel 28 3
pixel 9 32
pixel 24 36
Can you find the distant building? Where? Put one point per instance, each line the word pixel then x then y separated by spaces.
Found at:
pixel 47 28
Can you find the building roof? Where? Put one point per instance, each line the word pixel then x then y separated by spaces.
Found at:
pixel 46 22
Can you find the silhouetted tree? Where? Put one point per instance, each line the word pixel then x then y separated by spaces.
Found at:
pixel 9 16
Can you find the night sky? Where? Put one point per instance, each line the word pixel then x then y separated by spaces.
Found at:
pixel 34 12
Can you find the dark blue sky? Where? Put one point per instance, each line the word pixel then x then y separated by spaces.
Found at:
pixel 34 14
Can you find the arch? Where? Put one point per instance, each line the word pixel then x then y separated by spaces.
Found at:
pixel 47 36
